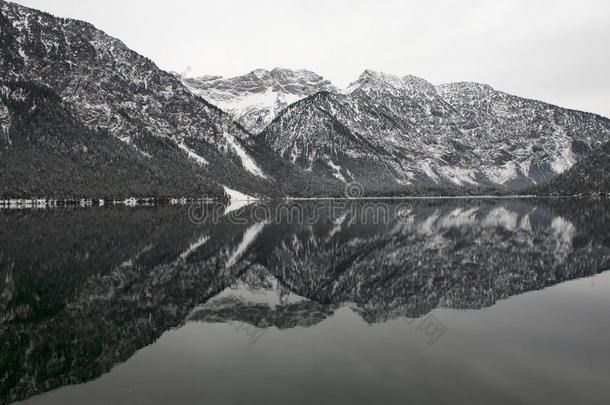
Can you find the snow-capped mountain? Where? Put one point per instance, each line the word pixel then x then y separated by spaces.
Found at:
pixel 303 136
pixel 112 88
pixel 256 98
pixel 386 132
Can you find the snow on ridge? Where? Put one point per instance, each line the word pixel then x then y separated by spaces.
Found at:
pixel 503 174
pixel 242 104
pixel 565 159
pixel 191 154
pixel 248 163
pixel 376 79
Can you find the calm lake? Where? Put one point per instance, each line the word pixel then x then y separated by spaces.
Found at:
pixel 428 301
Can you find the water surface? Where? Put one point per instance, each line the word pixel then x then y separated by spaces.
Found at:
pixel 424 301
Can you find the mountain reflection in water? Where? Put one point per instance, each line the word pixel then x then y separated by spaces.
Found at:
pixel 83 290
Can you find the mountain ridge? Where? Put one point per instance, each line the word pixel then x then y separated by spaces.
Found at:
pixel 255 98
pixel 525 141
pixel 392 135
pixel 113 88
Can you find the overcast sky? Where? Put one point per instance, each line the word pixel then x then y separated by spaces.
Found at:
pixel 556 51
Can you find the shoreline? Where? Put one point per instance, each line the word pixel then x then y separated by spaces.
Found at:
pixel 22 203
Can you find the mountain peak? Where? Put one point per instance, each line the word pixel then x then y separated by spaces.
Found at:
pixel 375 80
pixel 303 75
pixel 260 74
pixel 372 76
pixel 279 74
pixel 464 87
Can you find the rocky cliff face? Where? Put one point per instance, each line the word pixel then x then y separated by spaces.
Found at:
pixel 540 139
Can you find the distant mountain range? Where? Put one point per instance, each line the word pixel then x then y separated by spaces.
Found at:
pixel 392 130
pixel 255 99
pixel 268 133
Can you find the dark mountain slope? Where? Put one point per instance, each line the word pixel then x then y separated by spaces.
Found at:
pixel 589 176
pixel 113 88
pixel 308 135
pixel 46 151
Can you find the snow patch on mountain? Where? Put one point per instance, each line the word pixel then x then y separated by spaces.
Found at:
pixel 267 101
pixel 5 122
pixel 247 161
pixel 235 195
pixel 457 175
pixel 503 174
pixel 236 205
pixel 425 166
pixel 565 158
pixel 192 154
pixel 256 98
